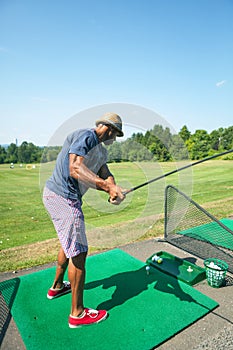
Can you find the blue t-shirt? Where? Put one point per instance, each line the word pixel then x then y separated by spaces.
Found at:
pixel 84 143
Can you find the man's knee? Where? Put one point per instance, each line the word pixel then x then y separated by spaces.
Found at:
pixel 79 260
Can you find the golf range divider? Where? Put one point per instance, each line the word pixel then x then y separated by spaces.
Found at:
pixel 181 269
pixel 193 229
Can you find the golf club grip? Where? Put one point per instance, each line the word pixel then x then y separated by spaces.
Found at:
pixel 128 191
pixel 176 170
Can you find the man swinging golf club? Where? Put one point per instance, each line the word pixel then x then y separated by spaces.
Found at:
pixel 80 165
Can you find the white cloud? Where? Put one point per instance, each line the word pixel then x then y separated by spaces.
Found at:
pixel 221 83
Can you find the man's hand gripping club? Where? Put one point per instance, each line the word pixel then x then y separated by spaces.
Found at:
pixel 116 194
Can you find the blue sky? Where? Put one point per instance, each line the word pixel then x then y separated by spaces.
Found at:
pixel 58 58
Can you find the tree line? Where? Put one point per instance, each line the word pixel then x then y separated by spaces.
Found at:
pixel 161 145
pixel 157 144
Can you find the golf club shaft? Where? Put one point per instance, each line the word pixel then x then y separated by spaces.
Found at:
pixel 176 170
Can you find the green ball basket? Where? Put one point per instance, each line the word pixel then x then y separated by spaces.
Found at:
pixel 215 276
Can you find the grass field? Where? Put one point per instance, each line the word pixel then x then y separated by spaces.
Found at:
pixel 27 236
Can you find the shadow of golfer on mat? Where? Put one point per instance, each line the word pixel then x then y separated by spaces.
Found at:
pixel 171 285
pixel 129 284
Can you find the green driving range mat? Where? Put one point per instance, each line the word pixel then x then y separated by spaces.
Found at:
pixel 213 233
pixel 144 309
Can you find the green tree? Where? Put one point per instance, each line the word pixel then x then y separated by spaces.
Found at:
pixel 24 154
pixel 12 153
pixel 3 155
pixel 184 133
pixel 226 139
pixel 138 137
pixel 48 154
pixel 114 152
pixel 199 144
pixel 178 149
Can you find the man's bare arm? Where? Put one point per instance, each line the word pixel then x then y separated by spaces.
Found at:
pixel 80 172
pixel 106 174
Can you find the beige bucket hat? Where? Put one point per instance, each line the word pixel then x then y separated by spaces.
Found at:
pixel 111 119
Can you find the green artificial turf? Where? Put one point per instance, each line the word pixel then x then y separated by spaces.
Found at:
pixel 213 233
pixel 144 310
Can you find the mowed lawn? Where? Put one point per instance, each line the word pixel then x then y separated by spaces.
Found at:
pixel 26 227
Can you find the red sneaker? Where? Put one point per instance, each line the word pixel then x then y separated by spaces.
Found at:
pixel 54 293
pixel 89 316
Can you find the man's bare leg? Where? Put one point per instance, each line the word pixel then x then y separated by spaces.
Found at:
pixel 62 263
pixel 76 274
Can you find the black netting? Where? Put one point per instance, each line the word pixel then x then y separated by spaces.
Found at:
pixel 191 228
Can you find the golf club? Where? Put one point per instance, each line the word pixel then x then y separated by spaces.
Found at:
pixel 176 170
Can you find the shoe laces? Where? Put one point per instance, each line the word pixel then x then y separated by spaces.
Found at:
pixel 92 313
pixel 66 284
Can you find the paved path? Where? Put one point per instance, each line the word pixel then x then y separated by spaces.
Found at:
pixel 214 331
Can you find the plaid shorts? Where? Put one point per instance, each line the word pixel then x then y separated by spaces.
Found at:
pixel 68 220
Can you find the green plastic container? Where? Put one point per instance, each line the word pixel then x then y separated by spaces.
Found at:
pixel 179 268
pixel 216 270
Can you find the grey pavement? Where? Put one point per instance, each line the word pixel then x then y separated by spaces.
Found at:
pixel 214 331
